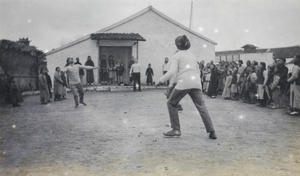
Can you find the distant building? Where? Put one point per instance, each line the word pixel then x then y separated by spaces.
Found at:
pixel 252 52
pixel 148 35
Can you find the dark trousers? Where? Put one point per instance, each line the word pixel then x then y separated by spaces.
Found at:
pixel 136 80
pixel 103 75
pixel 73 88
pixel 168 82
pixel 196 96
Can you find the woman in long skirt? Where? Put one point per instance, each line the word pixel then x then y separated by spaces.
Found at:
pixel 58 85
pixel 213 84
pixel 89 73
pixel 227 85
pixel 43 86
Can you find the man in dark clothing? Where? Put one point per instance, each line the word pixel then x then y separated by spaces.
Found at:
pixel 81 72
pixel 49 85
pixel 282 72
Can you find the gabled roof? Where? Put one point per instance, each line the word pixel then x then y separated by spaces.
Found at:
pixel 132 17
pixel 117 36
pixel 150 8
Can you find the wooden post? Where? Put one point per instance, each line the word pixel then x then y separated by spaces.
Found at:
pixel 137 50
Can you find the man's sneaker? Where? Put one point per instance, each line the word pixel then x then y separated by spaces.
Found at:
pixel 83 103
pixel 179 108
pixel 173 133
pixel 76 105
pixel 294 113
pixel 212 135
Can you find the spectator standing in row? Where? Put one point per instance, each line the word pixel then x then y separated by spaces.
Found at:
pixel 241 67
pixel 251 89
pixel 111 71
pixel 201 67
pixel 279 84
pixel 16 96
pixel 206 77
pixel 103 74
pixel 81 72
pixel 294 80
pixel 65 85
pixel 135 72
pixel 89 73
pixel 165 68
pixel 227 86
pixel 131 62
pixel 119 72
pixel 58 85
pixel 262 78
pixel 49 82
pixel 43 86
pixel 149 75
pixel 234 84
pixel 213 83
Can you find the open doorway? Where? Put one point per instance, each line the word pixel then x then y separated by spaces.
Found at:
pixel 108 58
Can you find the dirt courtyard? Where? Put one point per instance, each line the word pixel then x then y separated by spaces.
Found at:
pixel 120 134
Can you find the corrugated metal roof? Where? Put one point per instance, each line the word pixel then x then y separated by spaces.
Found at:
pixel 229 52
pixel 285 52
pixel 117 36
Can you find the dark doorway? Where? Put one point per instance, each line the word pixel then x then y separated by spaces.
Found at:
pixel 117 54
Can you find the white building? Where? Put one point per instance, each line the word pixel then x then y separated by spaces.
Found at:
pixel 148 35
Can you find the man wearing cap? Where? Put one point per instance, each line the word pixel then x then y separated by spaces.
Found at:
pixel 185 66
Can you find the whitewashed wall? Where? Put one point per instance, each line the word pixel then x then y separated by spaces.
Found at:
pixel 81 50
pixel 160 37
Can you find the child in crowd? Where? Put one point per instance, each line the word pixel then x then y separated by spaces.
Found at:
pixel 227 85
pixel 149 75
pixel 16 96
pixel 111 72
pixel 234 84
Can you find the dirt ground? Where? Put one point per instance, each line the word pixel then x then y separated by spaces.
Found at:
pixel 120 134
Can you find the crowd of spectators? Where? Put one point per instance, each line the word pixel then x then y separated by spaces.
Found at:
pixel 253 83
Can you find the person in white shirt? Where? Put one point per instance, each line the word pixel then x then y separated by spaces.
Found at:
pixel 165 68
pixel 74 80
pixel 185 66
pixel 135 72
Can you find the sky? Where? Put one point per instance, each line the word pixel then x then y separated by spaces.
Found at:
pixel 231 23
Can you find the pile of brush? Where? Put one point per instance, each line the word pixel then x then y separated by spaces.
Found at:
pixel 21 61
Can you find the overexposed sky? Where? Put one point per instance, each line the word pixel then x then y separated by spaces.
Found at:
pixel 230 23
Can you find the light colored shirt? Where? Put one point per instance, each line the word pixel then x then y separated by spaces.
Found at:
pixel 73 72
pixel 185 66
pixel 135 68
pixel 166 66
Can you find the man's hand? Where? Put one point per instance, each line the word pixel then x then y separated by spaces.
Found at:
pixel 158 84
